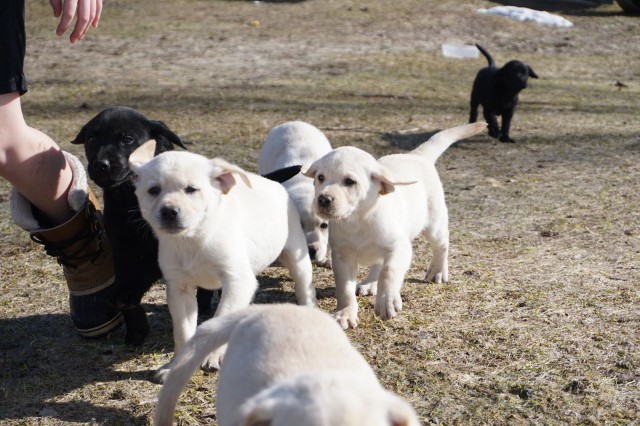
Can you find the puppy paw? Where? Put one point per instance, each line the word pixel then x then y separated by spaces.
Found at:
pixel 213 361
pixel 437 276
pixel 507 139
pixel 367 289
pixel 325 263
pixel 388 306
pixel 346 318
pixel 135 320
pixel 162 373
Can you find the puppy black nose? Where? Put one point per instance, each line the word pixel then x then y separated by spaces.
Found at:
pixel 101 166
pixel 324 200
pixel 169 214
pixel 312 252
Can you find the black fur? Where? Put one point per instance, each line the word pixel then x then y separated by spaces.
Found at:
pixel 109 138
pixel 497 89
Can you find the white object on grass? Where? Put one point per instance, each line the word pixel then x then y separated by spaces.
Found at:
pixel 460 51
pixel 525 14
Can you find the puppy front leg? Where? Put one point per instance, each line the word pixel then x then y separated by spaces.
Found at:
pixel 238 289
pixel 506 125
pixel 345 271
pixel 183 307
pixel 395 266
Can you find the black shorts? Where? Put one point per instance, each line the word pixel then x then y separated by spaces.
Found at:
pixel 12 47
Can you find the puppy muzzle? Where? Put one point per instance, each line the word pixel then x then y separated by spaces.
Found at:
pixel 108 175
pixel 169 218
pixel 325 206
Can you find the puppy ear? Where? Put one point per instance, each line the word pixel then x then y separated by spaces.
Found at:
pixel 143 154
pixel 81 138
pixel 224 174
pixel 284 174
pixel 311 171
pixel 386 182
pixel 165 137
pixel 532 73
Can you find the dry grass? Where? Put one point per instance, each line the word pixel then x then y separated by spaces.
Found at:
pixel 540 322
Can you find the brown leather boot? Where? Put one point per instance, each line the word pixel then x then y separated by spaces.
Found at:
pixel 81 246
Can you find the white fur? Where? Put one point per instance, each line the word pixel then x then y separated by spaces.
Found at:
pixel 299 143
pixel 375 209
pixel 285 366
pixel 215 233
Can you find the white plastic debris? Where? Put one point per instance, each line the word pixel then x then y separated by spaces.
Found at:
pixel 460 51
pixel 525 14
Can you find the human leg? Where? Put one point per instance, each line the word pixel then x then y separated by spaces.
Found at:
pixel 33 163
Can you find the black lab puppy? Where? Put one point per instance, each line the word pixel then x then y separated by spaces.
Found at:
pixel 109 138
pixel 496 89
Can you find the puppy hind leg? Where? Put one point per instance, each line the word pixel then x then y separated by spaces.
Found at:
pixel 438 271
pixel 388 300
pixel 299 266
pixel 473 111
pixel 492 122
pixel 204 297
pixel 369 286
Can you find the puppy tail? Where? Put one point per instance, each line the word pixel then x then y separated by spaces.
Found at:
pixel 486 55
pixel 209 336
pixel 438 143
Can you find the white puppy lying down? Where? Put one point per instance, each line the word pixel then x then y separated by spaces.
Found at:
pixel 214 233
pixel 299 143
pixel 375 209
pixel 285 365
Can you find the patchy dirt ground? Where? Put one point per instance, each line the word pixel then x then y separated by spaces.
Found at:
pixel 540 321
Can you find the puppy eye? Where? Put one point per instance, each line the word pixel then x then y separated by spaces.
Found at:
pixel 324 225
pixel 320 178
pixel 127 140
pixel 154 190
pixel 190 189
pixel 349 182
pixel 91 140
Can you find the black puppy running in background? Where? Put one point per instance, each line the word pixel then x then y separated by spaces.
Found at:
pixel 109 138
pixel 496 89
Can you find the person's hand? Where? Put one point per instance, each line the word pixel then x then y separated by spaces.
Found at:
pixel 87 11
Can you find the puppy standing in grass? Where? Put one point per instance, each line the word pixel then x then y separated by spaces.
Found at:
pixel 109 138
pixel 291 143
pixel 497 89
pixel 375 209
pixel 214 232
pixel 285 365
